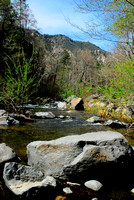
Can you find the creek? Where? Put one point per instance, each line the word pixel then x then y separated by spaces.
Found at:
pixel 19 136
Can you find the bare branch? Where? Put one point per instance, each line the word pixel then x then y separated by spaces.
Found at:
pixel 130 3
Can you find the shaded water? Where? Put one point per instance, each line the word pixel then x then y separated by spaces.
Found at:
pixel 19 136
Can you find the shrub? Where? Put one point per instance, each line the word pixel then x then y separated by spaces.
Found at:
pixel 19 83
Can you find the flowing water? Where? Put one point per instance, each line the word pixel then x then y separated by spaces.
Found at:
pixel 19 136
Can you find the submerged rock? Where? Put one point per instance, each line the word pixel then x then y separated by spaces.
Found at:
pixel 20 117
pixel 11 121
pixel 81 157
pixel 62 105
pixel 24 180
pixel 44 115
pixel 115 124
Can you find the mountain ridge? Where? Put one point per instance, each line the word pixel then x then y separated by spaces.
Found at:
pixel 55 44
pixel 64 42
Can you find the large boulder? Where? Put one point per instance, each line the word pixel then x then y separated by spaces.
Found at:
pixel 82 157
pixel 77 104
pixel 25 181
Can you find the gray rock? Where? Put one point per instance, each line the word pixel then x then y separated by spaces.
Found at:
pixel 7 154
pixel 67 190
pixel 62 105
pixel 94 119
pixel 2 112
pixel 47 115
pixel 93 185
pixel 78 157
pixel 3 120
pixel 115 124
pixel 21 179
pixel 129 111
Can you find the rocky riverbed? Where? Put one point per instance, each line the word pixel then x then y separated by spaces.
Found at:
pixel 88 159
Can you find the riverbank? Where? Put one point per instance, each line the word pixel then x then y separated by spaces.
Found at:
pixel 106 109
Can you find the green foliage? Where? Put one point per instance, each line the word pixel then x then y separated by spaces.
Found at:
pixel 19 83
pixel 118 18
pixel 121 86
pixel 81 90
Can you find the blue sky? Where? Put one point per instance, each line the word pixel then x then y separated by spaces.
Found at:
pixel 52 15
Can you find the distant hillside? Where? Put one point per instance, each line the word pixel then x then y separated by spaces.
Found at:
pixel 57 43
pixel 68 65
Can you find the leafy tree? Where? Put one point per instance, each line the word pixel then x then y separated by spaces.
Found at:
pixel 7 18
pixel 118 17
pixel 25 18
pixel 7 29
pixel 65 57
pixel 119 85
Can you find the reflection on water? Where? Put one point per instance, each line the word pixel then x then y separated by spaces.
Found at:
pixel 19 136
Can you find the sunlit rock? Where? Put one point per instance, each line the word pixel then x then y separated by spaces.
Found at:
pixel 67 190
pixel 93 185
pixel 79 158
pixel 44 115
pixel 77 104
